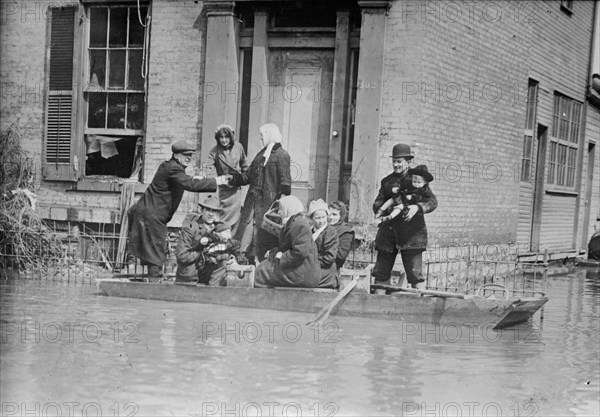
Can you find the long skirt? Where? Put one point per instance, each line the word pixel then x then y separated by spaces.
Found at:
pixel 231 203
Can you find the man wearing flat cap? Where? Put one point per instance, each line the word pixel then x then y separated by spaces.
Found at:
pixel 148 218
pixel 405 233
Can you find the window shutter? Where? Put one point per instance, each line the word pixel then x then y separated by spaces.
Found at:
pixel 59 158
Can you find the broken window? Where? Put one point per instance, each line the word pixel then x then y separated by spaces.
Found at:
pixel 115 90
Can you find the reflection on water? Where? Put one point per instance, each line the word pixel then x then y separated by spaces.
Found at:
pixel 64 349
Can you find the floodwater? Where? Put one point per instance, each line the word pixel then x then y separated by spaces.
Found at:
pixel 67 351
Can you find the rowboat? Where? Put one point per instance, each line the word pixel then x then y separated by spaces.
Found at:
pixel 402 305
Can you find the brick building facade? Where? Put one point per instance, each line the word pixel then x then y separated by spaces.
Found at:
pixel 491 95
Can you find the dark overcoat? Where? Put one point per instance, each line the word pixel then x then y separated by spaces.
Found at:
pixel 148 217
pixel 266 184
pixel 299 264
pixel 346 240
pixel 398 233
pixel 327 248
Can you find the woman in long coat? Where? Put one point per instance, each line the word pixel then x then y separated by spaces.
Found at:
pixel 294 262
pixel 269 178
pixel 338 215
pixel 326 240
pixel 228 157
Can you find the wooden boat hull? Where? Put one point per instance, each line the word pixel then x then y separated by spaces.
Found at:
pixel 409 308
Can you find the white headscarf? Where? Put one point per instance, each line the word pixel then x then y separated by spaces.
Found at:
pixel 289 206
pixel 271 135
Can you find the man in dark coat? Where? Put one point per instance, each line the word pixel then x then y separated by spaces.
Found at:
pixel 405 234
pixel 194 239
pixel 269 178
pixel 148 218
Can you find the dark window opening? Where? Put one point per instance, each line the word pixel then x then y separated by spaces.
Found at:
pixel 113 156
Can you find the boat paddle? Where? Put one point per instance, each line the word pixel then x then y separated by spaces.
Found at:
pixel 324 313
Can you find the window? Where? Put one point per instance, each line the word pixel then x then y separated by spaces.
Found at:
pixel 96 125
pixel 566 6
pixel 564 142
pixel 530 118
pixel 114 90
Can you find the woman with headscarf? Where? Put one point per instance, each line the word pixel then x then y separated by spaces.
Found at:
pixel 228 158
pixel 326 239
pixel 338 215
pixel 294 263
pixel 269 178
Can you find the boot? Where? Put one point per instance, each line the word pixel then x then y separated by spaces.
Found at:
pixel 420 285
pixel 154 274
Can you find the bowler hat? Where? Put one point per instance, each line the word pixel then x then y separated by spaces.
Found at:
pixel 422 171
pixel 181 146
pixel 401 150
pixel 211 202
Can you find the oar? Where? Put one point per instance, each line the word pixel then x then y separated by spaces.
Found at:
pixel 434 293
pixel 324 313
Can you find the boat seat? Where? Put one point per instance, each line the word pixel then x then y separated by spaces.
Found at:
pixel 306 289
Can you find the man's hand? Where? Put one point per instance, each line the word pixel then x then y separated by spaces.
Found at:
pixel 223 179
pixel 412 210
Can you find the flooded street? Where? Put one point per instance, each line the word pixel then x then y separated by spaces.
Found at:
pixel 67 351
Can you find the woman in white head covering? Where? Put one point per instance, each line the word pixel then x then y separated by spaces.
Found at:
pixel 269 178
pixel 294 262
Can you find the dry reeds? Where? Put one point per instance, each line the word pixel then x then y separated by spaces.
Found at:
pixel 25 241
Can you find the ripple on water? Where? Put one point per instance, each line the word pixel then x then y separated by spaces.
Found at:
pixel 173 359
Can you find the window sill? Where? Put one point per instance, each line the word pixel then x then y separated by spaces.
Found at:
pixel 104 187
pixel 562 192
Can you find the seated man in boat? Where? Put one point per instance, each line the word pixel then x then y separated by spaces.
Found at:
pixel 294 263
pixel 194 238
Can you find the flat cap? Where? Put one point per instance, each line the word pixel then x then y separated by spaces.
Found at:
pixel 181 146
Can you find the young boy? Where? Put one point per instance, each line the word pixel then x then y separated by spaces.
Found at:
pixel 417 193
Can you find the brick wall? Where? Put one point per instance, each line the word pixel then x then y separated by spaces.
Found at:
pixel 173 94
pixel 454 97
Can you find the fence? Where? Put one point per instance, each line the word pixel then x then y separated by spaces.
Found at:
pixel 84 251
pixel 69 251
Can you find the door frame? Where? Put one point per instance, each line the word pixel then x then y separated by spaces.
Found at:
pixel 538 191
pixel 588 193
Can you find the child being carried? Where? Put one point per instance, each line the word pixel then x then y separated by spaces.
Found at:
pixel 417 193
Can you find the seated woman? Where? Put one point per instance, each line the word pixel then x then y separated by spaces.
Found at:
pixel 326 239
pixel 294 262
pixel 338 215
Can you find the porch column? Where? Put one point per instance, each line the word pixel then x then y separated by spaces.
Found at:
pixel 340 97
pixel 220 91
pixel 260 90
pixel 363 187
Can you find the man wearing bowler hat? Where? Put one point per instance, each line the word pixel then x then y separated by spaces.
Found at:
pixel 194 238
pixel 407 232
pixel 148 217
